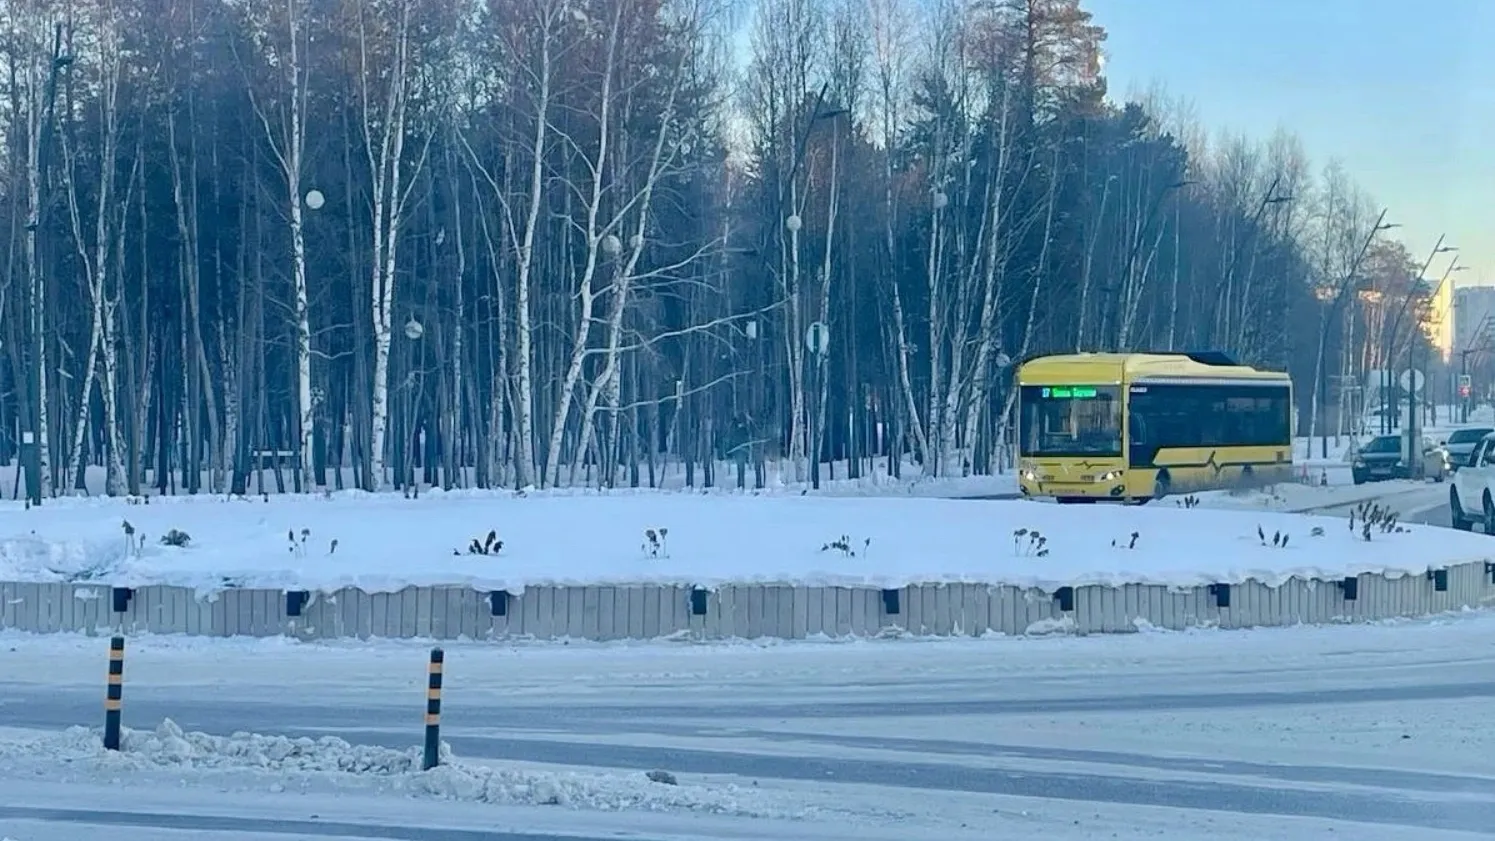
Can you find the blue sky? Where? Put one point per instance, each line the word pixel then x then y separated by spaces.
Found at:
pixel 1403 93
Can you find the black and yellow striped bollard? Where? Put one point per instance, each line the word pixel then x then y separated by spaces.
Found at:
pixel 433 710
pixel 114 693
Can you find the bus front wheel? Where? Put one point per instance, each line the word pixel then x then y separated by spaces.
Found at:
pixel 1161 486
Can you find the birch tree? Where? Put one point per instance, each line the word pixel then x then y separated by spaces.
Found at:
pixel 30 29
pixel 285 31
pixel 386 86
pixel 643 67
pixel 97 246
pixel 532 50
pixel 890 21
pixel 786 63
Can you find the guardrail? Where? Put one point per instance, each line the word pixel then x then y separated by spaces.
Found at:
pixel 739 610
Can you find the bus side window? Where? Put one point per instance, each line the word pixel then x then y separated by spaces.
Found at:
pixel 1138 428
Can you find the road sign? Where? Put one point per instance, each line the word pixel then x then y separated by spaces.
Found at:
pixel 1412 380
pixel 1466 385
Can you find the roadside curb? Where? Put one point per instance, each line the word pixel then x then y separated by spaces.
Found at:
pixel 1348 503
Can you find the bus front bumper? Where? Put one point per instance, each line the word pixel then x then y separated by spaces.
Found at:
pixel 1105 485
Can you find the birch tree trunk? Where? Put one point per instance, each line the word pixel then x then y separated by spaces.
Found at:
pixel 195 370
pixel 1087 271
pixel 92 266
pixel 599 237
pixel 385 126
pixel 522 225
pixel 35 116
pixel 96 263
pixel 888 25
pixel 287 142
pixel 994 261
pixel 639 205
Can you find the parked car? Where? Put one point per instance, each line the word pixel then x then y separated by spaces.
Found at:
pixel 1470 498
pixel 1461 443
pixel 1381 458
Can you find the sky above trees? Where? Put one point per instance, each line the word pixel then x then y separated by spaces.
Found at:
pixel 1403 99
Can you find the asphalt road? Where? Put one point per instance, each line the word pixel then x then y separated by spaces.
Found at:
pixel 758 733
pixel 240 826
pixel 1440 516
pixel 701 736
pixel 1426 504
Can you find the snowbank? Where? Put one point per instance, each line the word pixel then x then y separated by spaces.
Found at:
pixel 382 543
pixel 286 763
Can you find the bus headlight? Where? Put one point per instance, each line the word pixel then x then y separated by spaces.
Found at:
pixel 1030 476
pixel 1109 476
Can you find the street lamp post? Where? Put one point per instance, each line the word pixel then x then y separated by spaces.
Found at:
pixel 1387 419
pixel 1477 344
pixel 1341 297
pixel 1414 371
pixel 793 223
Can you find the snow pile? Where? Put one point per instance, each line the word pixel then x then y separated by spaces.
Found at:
pixel 383 543
pixel 169 745
pixel 332 761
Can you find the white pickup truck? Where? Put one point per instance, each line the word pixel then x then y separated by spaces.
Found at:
pixel 1471 495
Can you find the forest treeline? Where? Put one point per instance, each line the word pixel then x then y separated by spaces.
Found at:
pixel 544 242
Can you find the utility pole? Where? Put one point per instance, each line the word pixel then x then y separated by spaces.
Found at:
pixel 1414 442
pixel 1479 343
pixel 1341 297
pixel 36 375
pixel 1390 343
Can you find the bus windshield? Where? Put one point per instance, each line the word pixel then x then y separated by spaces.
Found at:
pixel 1070 420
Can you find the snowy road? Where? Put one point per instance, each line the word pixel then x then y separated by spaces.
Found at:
pixel 1415 502
pixel 1286 733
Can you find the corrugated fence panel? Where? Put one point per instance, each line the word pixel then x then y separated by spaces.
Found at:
pixel 742 611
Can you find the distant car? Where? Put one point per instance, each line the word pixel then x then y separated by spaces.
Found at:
pixel 1461 443
pixel 1380 459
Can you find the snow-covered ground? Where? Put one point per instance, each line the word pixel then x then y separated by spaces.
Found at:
pixel 780 476
pixel 385 542
pixel 1369 732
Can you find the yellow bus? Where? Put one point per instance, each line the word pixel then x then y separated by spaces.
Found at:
pixel 1132 427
